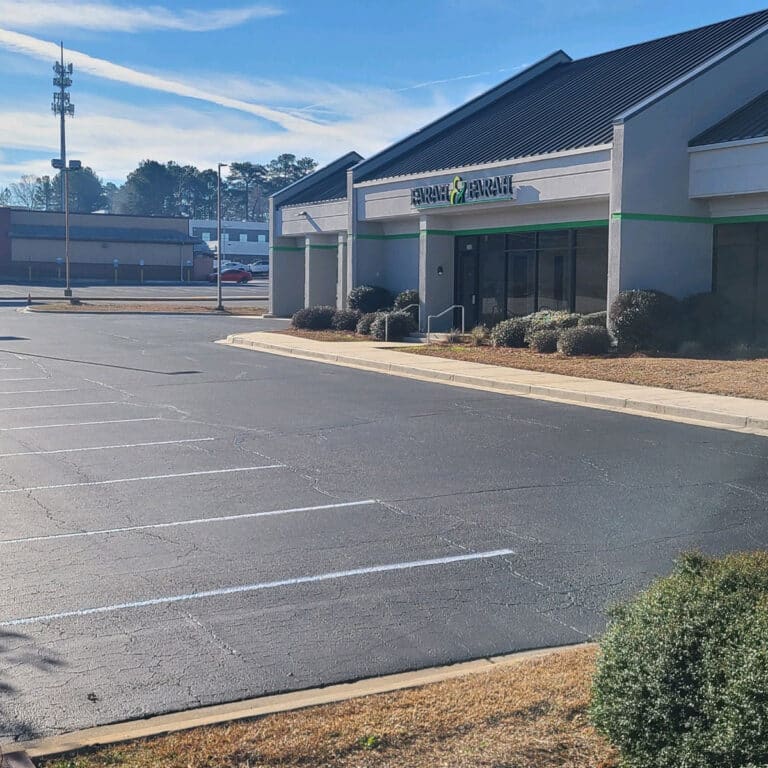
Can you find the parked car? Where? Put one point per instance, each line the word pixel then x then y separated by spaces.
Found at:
pixel 259 269
pixel 233 275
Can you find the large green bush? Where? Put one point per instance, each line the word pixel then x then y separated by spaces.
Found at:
pixel 600 319
pixel 584 340
pixel 364 323
pixel 409 298
pixel 550 319
pixel 345 319
pixel 682 680
pixel 648 320
pixel 509 333
pixel 369 298
pixel 399 323
pixel 314 318
pixel 544 341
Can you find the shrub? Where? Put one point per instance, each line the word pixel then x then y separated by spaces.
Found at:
pixel 548 319
pixel 365 322
pixel 544 341
pixel 645 320
pixel 509 333
pixel 479 335
pixel 408 298
pixel 369 298
pixel 599 319
pixel 683 673
pixel 345 319
pixel 314 318
pixel 586 340
pixel 400 325
pixel 714 321
pixel 454 336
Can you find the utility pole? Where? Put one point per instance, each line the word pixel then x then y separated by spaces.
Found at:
pixel 219 304
pixel 63 107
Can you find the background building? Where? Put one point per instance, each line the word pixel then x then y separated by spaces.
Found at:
pixel 243 241
pixel 32 247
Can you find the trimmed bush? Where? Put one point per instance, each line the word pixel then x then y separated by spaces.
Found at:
pixel 369 298
pixel 479 335
pixel 400 325
pixel 682 679
pixel 314 318
pixel 364 323
pixel 586 340
pixel 406 298
pixel 544 342
pixel 509 333
pixel 345 319
pixel 547 319
pixel 647 320
pixel 599 319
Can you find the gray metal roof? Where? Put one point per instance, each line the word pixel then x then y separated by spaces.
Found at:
pixel 748 122
pixel 329 183
pixel 103 234
pixel 570 105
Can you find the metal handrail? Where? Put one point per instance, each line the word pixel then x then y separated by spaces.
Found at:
pixel 444 312
pixel 404 309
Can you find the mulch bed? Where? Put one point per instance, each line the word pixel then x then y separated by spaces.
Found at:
pixel 533 713
pixel 715 376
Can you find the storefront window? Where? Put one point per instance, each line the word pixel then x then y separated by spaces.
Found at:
pixel 591 269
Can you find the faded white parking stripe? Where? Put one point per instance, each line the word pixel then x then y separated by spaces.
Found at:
pixel 108 447
pixel 35 391
pixel 27 378
pixel 140 479
pixel 81 424
pixel 258 587
pixel 64 405
pixel 193 521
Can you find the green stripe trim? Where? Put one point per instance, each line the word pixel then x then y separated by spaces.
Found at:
pixel 710 220
pixel 521 228
pixel 291 248
pixel 404 236
pixel 323 248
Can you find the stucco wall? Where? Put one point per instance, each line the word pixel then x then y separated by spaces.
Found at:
pixel 314 218
pixel 729 170
pixel 651 178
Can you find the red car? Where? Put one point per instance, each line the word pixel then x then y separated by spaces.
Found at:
pixel 231 276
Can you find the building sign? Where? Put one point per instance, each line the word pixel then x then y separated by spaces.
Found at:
pixel 460 192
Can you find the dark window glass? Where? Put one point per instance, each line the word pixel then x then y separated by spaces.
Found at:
pixel 523 240
pixel 555 279
pixel 559 238
pixel 521 288
pixel 591 270
pixel 736 248
pixel 492 279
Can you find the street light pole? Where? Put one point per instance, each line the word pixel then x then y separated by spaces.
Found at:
pixel 219 305
pixel 64 169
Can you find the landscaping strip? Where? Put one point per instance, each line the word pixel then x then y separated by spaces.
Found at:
pixel 516 710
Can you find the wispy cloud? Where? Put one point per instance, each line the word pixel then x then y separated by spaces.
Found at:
pixel 49 51
pixel 43 14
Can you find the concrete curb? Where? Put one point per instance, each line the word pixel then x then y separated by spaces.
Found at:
pixel 267 705
pixel 635 407
pixel 33 311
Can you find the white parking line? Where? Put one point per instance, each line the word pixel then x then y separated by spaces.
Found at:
pixel 258 587
pixel 140 479
pixel 108 447
pixel 27 378
pixel 81 424
pixel 35 391
pixel 193 521
pixel 64 405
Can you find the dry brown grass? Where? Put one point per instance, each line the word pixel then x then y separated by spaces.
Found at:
pixel 328 335
pixel 528 715
pixel 738 378
pixel 170 307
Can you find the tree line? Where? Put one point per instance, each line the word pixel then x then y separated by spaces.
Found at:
pixel 169 189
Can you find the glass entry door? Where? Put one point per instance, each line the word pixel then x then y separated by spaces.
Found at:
pixel 481 279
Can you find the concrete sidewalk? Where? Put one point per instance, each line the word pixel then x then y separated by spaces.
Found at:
pixel 733 413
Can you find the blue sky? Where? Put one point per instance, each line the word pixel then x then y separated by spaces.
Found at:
pixel 198 82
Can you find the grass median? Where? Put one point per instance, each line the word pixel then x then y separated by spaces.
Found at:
pixel 529 713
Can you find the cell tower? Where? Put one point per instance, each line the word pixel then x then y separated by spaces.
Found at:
pixel 63 107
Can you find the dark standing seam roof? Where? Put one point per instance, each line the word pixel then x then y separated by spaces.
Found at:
pixel 570 106
pixel 749 122
pixel 334 187
pixel 103 234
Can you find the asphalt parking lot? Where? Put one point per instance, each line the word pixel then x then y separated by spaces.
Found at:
pixel 258 290
pixel 185 523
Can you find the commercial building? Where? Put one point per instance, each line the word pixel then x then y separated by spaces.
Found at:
pixel 643 167
pixel 102 247
pixel 244 241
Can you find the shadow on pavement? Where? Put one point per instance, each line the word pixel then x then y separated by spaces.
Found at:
pixel 101 365
pixel 17 653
